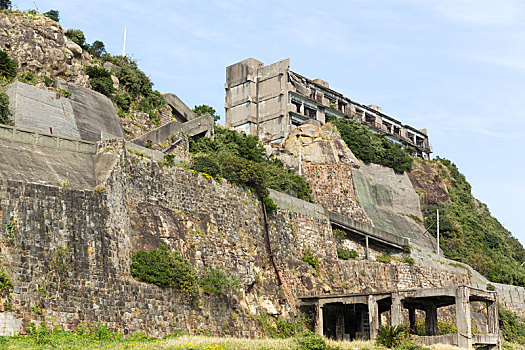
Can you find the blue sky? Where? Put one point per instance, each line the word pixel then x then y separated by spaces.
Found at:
pixel 455 67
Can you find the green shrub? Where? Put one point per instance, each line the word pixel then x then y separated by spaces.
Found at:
pixel 123 101
pixel 205 164
pixel 371 147
pixel 339 234
pixel 347 254
pixel 408 259
pixel 48 81
pixel 27 77
pixel 5 113
pixel 203 109
pixel 512 326
pixel 63 92
pixel 97 49
pixel 384 258
pixel 8 66
pixel 392 336
pixel 77 36
pixel 100 80
pixel 310 258
pixel 219 281
pixel 241 159
pixel 5 4
pixel 165 269
pixel 312 341
pixel 53 14
pixel 491 287
pixel 134 81
pixel 471 235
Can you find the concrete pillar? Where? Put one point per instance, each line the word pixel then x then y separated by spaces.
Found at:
pixel 373 316
pixel 463 321
pixel 366 248
pixel 412 319
pixel 319 319
pixel 431 321
pixel 339 326
pixel 396 310
pixel 492 318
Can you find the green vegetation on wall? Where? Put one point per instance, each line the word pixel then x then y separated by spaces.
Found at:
pixel 372 147
pixel 165 269
pixel 512 326
pixel 241 159
pixel 470 234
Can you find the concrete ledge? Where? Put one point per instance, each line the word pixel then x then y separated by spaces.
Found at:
pixel 152 154
pixel 367 230
pixel 297 205
pixel 47 140
pixel 451 339
pixel 161 134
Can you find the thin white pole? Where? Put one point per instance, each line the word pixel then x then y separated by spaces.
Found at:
pixel 437 229
pixel 300 161
pixel 124 46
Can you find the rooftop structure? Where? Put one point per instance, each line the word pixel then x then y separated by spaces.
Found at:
pixel 269 101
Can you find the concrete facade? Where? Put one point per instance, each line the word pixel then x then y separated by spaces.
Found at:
pixel 270 101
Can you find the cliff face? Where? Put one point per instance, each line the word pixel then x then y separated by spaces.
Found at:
pixel 39 45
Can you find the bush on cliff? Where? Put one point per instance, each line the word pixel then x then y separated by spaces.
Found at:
pixel 511 325
pixel 77 36
pixel 241 159
pixel 372 147
pixel 100 80
pixel 4 109
pixel 8 66
pixel 165 269
pixel 53 14
pixel 470 234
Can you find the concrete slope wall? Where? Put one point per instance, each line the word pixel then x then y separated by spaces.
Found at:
pixel 44 159
pixel 84 115
pixel 42 111
pixel 391 202
pixel 94 113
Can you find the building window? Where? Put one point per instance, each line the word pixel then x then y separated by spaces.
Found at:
pixel 341 106
pixel 297 105
pixel 310 112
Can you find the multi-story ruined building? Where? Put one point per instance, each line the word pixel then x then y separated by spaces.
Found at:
pixel 269 101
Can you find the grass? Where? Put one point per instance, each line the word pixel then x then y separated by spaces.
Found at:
pixel 192 342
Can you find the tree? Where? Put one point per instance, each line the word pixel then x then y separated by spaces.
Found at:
pixel 97 49
pixel 77 36
pixel 5 4
pixel 203 109
pixel 8 66
pixel 53 14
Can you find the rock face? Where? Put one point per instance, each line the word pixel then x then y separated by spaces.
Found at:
pixel 327 165
pixel 430 183
pixel 318 145
pixel 39 44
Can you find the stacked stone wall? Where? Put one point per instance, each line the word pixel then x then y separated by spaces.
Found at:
pixel 332 187
pixel 211 223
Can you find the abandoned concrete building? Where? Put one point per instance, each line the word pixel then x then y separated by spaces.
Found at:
pixel 358 316
pixel 269 101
